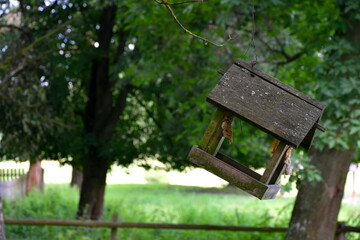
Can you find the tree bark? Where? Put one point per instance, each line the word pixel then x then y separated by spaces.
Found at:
pixel 93 188
pixel 101 116
pixel 35 177
pixel 76 178
pixel 317 205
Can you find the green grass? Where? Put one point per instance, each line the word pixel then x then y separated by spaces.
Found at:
pixel 155 203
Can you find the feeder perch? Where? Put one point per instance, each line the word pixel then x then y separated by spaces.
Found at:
pixel 268 104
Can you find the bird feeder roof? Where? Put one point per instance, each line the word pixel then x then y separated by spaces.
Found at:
pixel 268 104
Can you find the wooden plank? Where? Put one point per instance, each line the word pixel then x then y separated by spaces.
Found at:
pixel 278 172
pixel 113 233
pixel 306 143
pixel 232 174
pixel 213 137
pixel 2 225
pixel 264 105
pixel 273 163
pixel 221 72
pixel 280 84
pixel 321 128
pixel 238 166
pixel 102 224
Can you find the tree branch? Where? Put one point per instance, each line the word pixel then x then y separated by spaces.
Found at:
pixel 292 58
pixel 24 64
pixel 121 46
pixel 282 52
pixel 178 3
pixel 12 26
pixel 168 6
pixel 149 113
pixel 116 111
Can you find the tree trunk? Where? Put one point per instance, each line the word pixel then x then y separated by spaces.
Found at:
pixel 35 177
pixel 317 205
pixel 102 113
pixel 93 188
pixel 76 178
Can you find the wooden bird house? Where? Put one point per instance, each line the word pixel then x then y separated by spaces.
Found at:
pixel 268 104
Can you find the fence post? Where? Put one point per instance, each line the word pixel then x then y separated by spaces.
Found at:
pixel 114 218
pixel 2 224
pixel 340 233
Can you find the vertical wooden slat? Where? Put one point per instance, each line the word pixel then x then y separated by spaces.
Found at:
pixel 275 179
pixel 213 137
pixel 273 164
pixel 114 218
pixel 2 225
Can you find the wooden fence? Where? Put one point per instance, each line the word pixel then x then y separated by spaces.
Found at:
pixel 114 225
pixel 12 183
pixel 11 174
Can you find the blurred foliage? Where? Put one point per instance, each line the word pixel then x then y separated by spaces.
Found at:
pixel 43 88
pixel 172 73
pixel 160 203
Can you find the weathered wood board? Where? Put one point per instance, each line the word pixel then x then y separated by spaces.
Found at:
pixel 280 84
pixel 213 137
pixel 234 173
pixel 277 109
pixel 272 166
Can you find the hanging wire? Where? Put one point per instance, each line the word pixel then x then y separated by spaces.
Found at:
pixel 252 42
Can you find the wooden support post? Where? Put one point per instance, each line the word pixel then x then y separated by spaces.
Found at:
pixel 2 225
pixel 114 218
pixel 278 172
pixel 275 167
pixel 213 137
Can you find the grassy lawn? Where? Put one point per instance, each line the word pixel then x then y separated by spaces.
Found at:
pixel 157 203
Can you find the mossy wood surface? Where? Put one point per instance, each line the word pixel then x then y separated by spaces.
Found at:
pixel 269 105
pixel 233 173
pixel 213 137
pixel 275 162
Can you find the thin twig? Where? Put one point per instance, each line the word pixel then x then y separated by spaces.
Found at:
pixel 168 6
pixel 178 3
